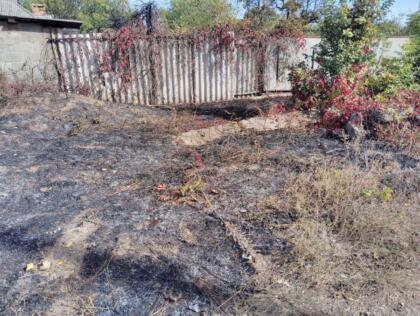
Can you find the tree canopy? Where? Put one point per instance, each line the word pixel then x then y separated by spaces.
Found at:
pixel 96 15
pixel 393 27
pixel 189 15
pixel 103 14
pixel 349 29
pixel 308 11
pixel 64 9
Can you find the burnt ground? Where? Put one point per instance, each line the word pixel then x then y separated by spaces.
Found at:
pixel 131 223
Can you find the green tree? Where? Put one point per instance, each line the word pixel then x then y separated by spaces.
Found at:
pixel 262 18
pixel 349 33
pixel 64 9
pixel 27 3
pixel 394 74
pixel 307 11
pixel 190 15
pixel 99 15
pixel 412 49
pixel 96 15
pixel 393 27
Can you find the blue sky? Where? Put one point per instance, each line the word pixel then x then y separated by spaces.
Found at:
pixel 399 7
pixel 404 6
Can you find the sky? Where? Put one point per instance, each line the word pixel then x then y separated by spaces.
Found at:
pixel 405 6
pixel 399 7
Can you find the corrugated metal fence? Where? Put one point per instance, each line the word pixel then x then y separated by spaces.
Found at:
pixel 167 70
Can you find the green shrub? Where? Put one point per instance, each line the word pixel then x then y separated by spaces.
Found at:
pixel 392 75
pixel 349 34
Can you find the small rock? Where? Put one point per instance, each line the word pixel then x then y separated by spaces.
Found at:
pixel 243 210
pixel 354 127
pixel 3 100
pixel 283 282
pixel 194 307
pixel 380 116
pixel 67 127
pixel 60 262
pixel 247 257
pixel 45 189
pixel 114 184
pixel 172 297
pixel 68 244
pixel 45 265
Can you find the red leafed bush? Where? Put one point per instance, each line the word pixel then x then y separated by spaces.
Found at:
pixel 408 100
pixel 349 96
pixel 308 88
pixel 335 98
pixel 399 124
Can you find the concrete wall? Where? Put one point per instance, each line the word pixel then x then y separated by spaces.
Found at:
pixel 392 47
pixel 25 52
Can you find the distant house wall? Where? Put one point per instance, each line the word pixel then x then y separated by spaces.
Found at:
pixel 25 52
pixel 393 46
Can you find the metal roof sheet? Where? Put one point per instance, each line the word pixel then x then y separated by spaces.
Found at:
pixel 13 8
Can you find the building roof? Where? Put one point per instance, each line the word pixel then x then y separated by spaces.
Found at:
pixel 12 10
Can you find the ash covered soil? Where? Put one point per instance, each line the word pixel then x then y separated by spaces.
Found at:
pixel 119 219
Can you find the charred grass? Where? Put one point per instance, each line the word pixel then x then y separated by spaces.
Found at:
pixel 285 222
pixel 349 211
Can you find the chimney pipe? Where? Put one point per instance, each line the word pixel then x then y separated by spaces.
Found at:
pixel 38 9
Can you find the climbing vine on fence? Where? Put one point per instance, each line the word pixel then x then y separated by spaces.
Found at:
pixel 221 38
pixel 138 55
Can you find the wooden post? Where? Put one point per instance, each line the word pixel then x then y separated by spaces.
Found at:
pixel 261 66
pixel 57 59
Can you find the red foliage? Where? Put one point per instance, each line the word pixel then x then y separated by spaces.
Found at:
pixel 336 98
pixel 199 162
pixel 405 99
pixel 277 109
pixel 199 122
pixel 18 88
pixel 119 44
pixel 350 97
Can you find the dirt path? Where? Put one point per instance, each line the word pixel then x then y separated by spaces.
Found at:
pixel 260 123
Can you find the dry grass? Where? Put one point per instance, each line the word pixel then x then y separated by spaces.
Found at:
pixel 402 135
pixel 355 245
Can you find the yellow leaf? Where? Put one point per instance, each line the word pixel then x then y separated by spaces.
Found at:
pixel 69 244
pixel 29 266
